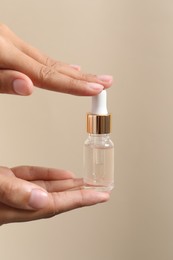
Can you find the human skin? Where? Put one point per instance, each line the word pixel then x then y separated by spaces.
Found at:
pixel 29 193
pixel 20 61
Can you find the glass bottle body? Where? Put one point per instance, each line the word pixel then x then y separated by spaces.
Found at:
pixel 99 162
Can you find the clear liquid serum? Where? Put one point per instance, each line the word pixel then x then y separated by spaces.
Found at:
pixel 98 148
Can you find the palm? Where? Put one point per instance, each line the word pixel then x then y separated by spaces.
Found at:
pixel 64 193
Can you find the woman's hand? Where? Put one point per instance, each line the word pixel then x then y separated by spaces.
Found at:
pixel 29 193
pixel 21 66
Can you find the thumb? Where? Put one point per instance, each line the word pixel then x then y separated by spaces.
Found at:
pixel 14 82
pixel 19 193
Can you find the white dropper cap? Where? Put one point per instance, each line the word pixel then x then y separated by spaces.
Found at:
pixel 99 120
pixel 99 104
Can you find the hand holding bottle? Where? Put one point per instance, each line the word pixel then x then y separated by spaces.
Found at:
pixel 30 193
pixel 22 65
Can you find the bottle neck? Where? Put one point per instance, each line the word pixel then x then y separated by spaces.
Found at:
pixel 99 140
pixel 99 136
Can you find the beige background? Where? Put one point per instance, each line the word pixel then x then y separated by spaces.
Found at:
pixel 133 41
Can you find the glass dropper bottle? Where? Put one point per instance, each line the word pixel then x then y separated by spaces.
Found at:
pixel 98 148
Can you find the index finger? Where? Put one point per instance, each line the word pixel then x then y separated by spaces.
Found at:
pixel 48 77
pixel 72 71
pixel 33 173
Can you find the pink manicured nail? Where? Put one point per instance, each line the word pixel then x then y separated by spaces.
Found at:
pixel 38 199
pixel 95 86
pixel 105 78
pixel 103 196
pixel 76 67
pixel 20 86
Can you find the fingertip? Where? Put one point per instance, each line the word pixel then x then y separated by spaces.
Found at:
pixel 94 88
pixel 23 87
pixel 102 196
pixel 95 196
pixel 70 174
pixel 108 79
pixel 76 67
pixel 38 199
pixel 103 82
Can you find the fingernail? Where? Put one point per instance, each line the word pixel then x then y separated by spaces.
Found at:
pixel 105 78
pixel 95 86
pixel 76 67
pixel 103 196
pixel 38 199
pixel 20 86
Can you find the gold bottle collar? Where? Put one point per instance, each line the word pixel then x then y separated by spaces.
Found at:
pixel 98 124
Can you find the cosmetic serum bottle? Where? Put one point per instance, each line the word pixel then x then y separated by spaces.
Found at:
pixel 98 148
